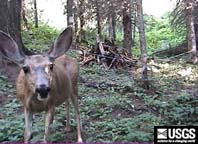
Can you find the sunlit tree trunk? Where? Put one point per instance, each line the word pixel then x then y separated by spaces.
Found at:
pixel 143 49
pixel 134 14
pixel 112 23
pixel 191 30
pixel 70 17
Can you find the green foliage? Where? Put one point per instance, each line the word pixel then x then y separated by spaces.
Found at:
pixel 90 38
pixel 11 129
pixel 12 126
pixel 39 39
pixel 3 84
pixel 124 130
pixel 182 110
pixel 160 34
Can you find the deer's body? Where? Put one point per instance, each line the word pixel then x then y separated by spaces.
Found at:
pixel 45 81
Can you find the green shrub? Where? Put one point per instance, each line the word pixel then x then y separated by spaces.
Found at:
pixel 41 38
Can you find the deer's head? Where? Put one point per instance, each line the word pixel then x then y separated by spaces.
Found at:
pixel 37 69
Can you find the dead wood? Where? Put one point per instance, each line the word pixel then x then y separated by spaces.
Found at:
pixel 107 54
pixel 172 51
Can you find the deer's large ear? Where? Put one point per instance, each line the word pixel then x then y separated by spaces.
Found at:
pixel 62 44
pixel 10 50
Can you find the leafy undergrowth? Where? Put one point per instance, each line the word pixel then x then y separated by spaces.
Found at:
pixel 39 39
pixel 113 106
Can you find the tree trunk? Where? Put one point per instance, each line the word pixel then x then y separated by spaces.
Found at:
pixel 23 15
pixel 4 21
pixel 133 34
pixel 112 24
pixel 70 17
pixel 134 14
pixel 127 43
pixel 81 34
pixel 35 14
pixel 191 31
pixel 98 18
pixel 143 49
pixel 10 13
pixel 75 22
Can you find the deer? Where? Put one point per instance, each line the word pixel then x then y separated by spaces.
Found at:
pixel 45 81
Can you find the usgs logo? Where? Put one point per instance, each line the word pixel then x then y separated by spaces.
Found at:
pixel 181 133
pixel 175 134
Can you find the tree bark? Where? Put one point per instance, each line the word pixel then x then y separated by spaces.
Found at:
pixel 75 22
pixel 4 21
pixel 143 49
pixel 134 14
pixel 23 14
pixel 98 18
pixel 70 17
pixel 82 21
pixel 10 23
pixel 35 14
pixel 112 23
pixel 127 29
pixel 191 31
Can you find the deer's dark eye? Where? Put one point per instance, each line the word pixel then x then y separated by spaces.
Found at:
pixel 26 69
pixel 51 66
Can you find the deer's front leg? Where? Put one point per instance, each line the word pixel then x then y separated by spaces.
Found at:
pixel 77 113
pixel 28 124
pixel 67 108
pixel 48 120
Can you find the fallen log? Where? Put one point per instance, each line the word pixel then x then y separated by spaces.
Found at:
pixel 172 51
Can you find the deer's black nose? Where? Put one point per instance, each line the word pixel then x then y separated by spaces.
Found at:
pixel 43 90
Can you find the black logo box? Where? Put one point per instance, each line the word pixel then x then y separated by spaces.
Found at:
pixel 174 127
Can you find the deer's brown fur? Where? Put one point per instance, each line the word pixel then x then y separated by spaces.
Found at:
pixel 61 81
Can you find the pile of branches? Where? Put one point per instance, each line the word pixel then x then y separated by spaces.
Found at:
pixel 107 54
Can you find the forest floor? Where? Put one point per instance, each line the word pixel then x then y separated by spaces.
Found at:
pixel 113 105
